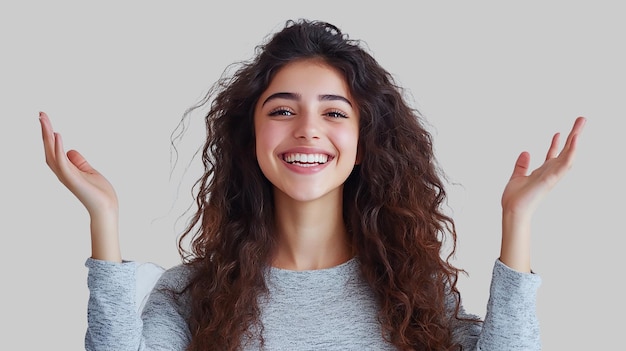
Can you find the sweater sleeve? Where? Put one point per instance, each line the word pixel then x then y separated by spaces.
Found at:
pixel 113 321
pixel 511 321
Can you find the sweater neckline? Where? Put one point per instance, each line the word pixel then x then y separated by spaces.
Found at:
pixel 347 266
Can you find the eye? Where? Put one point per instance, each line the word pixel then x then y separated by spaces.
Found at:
pixel 282 111
pixel 336 114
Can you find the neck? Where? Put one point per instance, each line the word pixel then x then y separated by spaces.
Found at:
pixel 312 234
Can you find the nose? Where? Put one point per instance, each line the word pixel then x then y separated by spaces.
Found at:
pixel 307 126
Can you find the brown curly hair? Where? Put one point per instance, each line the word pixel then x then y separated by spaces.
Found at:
pixel 392 202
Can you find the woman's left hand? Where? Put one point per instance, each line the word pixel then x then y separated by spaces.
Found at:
pixel 524 191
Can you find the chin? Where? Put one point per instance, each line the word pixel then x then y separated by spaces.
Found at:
pixel 311 195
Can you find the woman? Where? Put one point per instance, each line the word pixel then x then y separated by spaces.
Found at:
pixel 319 221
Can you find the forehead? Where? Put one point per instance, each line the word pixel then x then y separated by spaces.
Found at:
pixel 312 76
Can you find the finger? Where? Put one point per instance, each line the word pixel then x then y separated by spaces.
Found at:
pixel 569 150
pixel 553 151
pixel 579 123
pixel 63 170
pixel 521 165
pixel 80 162
pixel 47 136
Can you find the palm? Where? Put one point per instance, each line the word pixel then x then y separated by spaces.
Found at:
pixel 524 191
pixel 92 189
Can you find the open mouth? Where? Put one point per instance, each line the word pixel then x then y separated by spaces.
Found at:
pixel 306 160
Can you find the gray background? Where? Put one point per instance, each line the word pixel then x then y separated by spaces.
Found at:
pixel 493 79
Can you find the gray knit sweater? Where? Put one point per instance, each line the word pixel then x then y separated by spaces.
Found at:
pixel 327 309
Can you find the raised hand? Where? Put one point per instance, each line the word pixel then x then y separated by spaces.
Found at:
pixel 524 192
pixel 91 188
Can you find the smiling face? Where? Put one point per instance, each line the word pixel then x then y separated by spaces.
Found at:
pixel 307 130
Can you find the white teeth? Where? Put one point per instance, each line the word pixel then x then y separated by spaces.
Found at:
pixel 306 158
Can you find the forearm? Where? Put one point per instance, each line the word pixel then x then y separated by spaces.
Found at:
pixel 113 321
pixel 515 249
pixel 511 321
pixel 105 245
pixel 118 321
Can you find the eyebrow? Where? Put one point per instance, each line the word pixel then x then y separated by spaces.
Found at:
pixel 297 97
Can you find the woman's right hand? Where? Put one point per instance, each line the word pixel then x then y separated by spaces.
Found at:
pixel 91 188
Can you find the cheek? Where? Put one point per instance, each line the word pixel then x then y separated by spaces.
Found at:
pixel 263 137
pixel 261 150
pixel 347 139
pixel 267 138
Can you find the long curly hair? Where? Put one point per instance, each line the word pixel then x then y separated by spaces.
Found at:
pixel 392 202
